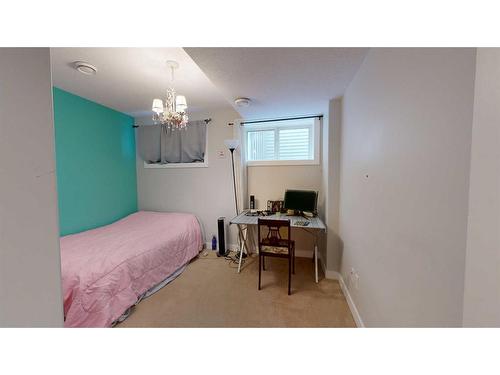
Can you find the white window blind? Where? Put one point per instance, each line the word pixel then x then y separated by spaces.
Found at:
pixel 281 141
pixel 261 145
pixel 294 144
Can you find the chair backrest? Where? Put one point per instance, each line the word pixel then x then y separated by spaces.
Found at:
pixel 273 232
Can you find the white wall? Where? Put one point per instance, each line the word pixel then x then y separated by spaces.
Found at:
pixel 406 137
pixel 30 279
pixel 482 278
pixel 206 192
pixel 323 210
pixel 328 203
pixel 334 243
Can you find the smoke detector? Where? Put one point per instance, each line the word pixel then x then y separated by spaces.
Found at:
pixel 85 68
pixel 242 102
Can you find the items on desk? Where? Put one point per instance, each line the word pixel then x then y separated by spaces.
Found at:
pixel 275 206
pixel 258 213
pixel 252 202
pixel 303 201
pixel 308 215
pixel 302 223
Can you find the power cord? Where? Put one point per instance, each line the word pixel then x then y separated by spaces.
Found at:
pixel 232 257
pixel 234 260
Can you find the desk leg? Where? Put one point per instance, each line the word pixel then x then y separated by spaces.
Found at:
pixel 242 245
pixel 316 261
pixel 241 257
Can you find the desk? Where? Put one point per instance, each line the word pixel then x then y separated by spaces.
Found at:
pixel 315 227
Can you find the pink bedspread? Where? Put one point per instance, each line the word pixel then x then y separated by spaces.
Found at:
pixel 104 270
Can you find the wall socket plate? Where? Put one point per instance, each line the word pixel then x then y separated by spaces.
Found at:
pixel 221 154
pixel 353 279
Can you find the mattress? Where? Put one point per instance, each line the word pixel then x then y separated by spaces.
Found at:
pixel 106 270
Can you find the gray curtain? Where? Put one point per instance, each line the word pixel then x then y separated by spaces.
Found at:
pixel 159 144
pixel 148 143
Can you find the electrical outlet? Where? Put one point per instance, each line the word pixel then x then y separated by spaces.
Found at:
pixel 221 154
pixel 352 273
pixel 353 279
pixel 356 281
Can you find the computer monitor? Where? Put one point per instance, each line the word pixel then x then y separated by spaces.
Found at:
pixel 301 200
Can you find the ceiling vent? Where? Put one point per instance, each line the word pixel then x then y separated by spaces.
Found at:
pixel 242 102
pixel 85 68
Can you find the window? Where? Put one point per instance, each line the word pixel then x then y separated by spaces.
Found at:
pixel 282 142
pixel 261 145
pixel 161 147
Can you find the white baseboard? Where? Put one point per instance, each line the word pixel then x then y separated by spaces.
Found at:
pixel 208 246
pixel 350 302
pixel 304 253
pixel 334 275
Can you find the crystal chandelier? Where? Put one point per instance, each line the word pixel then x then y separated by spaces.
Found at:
pixel 173 113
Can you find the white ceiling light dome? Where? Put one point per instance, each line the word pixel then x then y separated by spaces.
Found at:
pixel 85 68
pixel 242 102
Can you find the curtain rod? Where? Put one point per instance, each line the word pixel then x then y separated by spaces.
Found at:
pixel 207 121
pixel 280 119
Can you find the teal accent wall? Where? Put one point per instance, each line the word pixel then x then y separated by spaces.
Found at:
pixel 95 158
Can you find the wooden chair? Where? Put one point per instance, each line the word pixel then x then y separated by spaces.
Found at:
pixel 274 243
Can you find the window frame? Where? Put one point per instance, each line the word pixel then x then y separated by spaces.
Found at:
pixel 263 126
pixel 177 165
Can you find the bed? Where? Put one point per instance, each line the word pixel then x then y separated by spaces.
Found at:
pixel 107 270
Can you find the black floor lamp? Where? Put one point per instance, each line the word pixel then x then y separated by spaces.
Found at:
pixel 232 144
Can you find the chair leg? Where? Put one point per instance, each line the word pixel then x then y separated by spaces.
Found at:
pixel 260 256
pixel 293 269
pixel 290 275
pixel 263 263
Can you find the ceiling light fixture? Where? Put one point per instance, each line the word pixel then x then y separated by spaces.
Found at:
pixel 85 68
pixel 242 102
pixel 172 113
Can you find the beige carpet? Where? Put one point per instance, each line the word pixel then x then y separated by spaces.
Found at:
pixel 209 293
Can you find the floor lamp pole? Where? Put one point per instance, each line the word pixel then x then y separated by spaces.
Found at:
pixel 240 234
pixel 232 144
